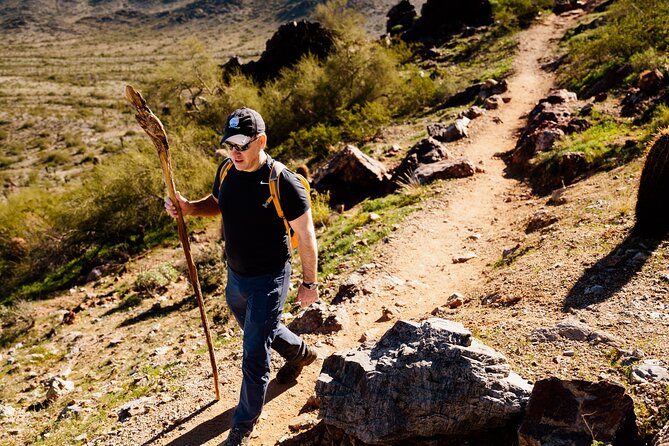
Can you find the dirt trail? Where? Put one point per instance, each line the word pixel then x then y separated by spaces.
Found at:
pixel 414 271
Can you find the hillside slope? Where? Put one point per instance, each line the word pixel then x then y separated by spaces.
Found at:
pixel 53 16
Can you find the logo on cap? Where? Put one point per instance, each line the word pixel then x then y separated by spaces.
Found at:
pixel 234 122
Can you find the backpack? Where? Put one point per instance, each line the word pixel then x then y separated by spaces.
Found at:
pixel 274 194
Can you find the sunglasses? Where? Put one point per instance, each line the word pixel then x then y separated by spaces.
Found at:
pixel 237 147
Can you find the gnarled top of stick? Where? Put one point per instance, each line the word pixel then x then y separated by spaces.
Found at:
pixel 146 119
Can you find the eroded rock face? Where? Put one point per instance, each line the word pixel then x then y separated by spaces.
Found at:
pixel 427 379
pixel 285 48
pixel 586 411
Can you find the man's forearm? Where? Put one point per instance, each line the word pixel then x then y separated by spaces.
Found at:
pixel 309 257
pixel 205 207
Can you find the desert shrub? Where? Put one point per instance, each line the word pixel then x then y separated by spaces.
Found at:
pixel 156 279
pixel 636 33
pixel 320 209
pixel 514 14
pixel 119 203
pixel 72 139
pixel 211 268
pixel 16 320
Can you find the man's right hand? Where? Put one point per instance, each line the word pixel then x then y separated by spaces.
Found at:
pixel 172 209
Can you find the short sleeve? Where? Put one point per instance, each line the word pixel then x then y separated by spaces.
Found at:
pixel 294 196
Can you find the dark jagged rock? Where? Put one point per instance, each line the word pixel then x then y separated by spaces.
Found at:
pixel 400 17
pixel 550 119
pixel 422 380
pixel 351 176
pixel 425 151
pixel 560 6
pixel 441 19
pixel 285 48
pixel 576 413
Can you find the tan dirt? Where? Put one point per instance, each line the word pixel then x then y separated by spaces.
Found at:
pixel 414 271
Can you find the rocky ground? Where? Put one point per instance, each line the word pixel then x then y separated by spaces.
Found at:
pixel 575 298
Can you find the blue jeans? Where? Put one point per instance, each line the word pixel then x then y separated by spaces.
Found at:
pixel 257 303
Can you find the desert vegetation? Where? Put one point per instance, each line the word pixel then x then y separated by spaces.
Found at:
pixel 95 214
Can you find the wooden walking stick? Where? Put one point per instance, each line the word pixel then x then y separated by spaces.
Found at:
pixel 154 128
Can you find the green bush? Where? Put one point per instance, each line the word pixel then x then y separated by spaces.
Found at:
pixel 513 14
pixel 156 279
pixel 119 203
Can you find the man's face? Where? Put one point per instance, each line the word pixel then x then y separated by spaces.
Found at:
pixel 249 159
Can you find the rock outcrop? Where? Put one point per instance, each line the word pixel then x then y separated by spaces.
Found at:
pixel 351 176
pixel 441 19
pixel 285 48
pixel 586 412
pixel 427 379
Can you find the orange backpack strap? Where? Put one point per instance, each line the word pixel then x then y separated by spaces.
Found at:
pixel 274 176
pixel 223 172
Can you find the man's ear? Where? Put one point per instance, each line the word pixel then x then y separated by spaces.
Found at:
pixel 263 141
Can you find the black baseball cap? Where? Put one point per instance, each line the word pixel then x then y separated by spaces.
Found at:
pixel 242 125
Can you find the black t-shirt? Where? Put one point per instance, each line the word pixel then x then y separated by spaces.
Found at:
pixel 255 237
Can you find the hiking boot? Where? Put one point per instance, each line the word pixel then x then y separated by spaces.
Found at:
pixel 237 438
pixel 292 369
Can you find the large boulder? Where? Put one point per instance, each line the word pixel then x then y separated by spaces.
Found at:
pixel 285 48
pixel 578 413
pixel 422 379
pixel 425 151
pixel 443 170
pixel 351 176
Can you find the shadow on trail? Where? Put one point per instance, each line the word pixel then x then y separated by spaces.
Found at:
pixel 160 311
pixel 606 277
pixel 213 427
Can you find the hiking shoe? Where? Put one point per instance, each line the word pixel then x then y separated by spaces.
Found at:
pixel 237 438
pixel 292 369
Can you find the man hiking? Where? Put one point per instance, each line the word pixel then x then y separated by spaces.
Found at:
pixel 258 251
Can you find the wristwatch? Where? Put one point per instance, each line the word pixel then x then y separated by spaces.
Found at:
pixel 310 285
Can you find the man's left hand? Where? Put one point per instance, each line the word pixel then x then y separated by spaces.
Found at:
pixel 306 297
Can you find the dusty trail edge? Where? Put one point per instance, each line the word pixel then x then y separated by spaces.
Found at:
pixel 414 271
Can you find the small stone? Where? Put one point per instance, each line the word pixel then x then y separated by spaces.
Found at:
pixel 300 422
pixel 57 387
pixel 664 277
pixel 465 257
pixel 368 335
pixel 374 216
pixel 114 342
pixel 7 411
pixel 161 351
pixel 568 353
